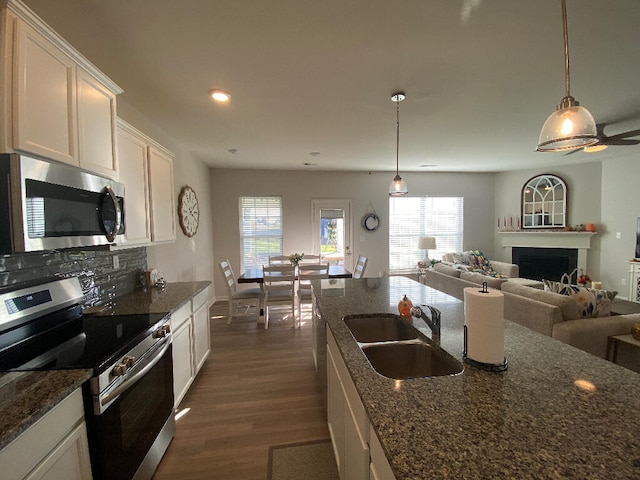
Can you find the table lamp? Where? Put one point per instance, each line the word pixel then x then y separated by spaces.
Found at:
pixel 426 244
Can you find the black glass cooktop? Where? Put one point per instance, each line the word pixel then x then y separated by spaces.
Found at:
pixel 66 340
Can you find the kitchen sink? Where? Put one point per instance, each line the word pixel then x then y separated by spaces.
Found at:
pixel 403 360
pixel 379 327
pixel 397 350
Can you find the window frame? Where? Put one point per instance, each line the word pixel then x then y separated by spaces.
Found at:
pixel 270 207
pixel 423 219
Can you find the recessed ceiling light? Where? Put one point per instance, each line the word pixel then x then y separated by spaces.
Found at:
pixel 220 95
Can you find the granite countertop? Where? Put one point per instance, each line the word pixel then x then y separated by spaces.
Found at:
pixel 154 300
pixel 26 396
pixel 557 412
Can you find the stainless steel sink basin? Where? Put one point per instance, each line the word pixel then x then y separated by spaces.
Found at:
pixel 379 327
pixel 400 360
pixel 397 350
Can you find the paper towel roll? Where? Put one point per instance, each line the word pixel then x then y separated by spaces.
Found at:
pixel 483 318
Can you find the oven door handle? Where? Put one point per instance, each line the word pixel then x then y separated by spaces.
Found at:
pixel 130 382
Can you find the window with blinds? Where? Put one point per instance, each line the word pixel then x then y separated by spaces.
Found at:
pixel 414 217
pixel 260 230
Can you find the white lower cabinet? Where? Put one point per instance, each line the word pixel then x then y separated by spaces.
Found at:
pixel 201 329
pixel 182 361
pixel 191 342
pixel 348 421
pixel 379 468
pixel 53 448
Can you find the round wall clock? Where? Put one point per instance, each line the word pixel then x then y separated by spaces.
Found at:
pixel 188 211
pixel 370 222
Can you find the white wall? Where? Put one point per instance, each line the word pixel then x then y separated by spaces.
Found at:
pixel 366 190
pixel 584 191
pixel 620 211
pixel 186 259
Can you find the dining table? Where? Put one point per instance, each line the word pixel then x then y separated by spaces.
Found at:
pixel 254 275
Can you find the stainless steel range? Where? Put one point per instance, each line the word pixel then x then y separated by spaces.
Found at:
pixel 128 400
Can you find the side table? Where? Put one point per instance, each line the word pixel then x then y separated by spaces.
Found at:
pixel 624 307
pixel 614 341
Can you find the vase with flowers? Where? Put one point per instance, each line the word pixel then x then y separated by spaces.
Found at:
pixel 296 258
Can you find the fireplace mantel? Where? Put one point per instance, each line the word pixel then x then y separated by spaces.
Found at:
pixel 541 239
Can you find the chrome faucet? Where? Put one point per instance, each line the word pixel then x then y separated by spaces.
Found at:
pixel 433 322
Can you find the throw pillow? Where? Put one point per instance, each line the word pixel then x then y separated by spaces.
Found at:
pixel 461 258
pixel 591 303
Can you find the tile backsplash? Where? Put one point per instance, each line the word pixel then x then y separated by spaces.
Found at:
pixel 94 267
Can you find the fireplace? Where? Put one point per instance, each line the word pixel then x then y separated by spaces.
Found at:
pixel 544 263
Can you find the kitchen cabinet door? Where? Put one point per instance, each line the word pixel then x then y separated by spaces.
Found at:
pixel 335 412
pixel 182 362
pixel 201 329
pixel 44 115
pixel 379 468
pixel 53 448
pixel 348 421
pixel 133 168
pixel 163 212
pixel 96 125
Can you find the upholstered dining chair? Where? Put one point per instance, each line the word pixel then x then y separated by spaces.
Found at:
pixel 248 297
pixel 306 273
pixel 279 289
pixel 361 265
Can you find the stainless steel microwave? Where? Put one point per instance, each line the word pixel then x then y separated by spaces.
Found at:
pixel 47 206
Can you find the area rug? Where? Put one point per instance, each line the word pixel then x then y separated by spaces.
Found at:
pixel 303 461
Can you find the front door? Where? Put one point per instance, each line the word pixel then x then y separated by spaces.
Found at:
pixel 332 231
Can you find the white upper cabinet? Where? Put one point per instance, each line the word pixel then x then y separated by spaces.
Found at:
pixel 146 170
pixel 55 103
pixel 163 212
pixel 133 163
pixel 96 125
pixel 44 111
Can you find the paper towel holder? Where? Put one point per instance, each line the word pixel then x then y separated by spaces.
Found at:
pixel 491 367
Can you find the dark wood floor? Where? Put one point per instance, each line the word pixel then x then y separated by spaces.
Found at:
pixel 257 389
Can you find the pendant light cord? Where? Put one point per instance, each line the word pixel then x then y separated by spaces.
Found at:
pixel 565 32
pixel 397 136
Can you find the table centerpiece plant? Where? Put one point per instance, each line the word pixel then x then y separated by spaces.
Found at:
pixel 296 258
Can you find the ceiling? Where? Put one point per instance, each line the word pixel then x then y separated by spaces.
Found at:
pixel 311 81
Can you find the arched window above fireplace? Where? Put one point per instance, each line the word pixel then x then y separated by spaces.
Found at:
pixel 544 202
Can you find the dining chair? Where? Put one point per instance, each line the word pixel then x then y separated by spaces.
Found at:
pixel 310 259
pixel 279 289
pixel 361 264
pixel 279 260
pixel 248 297
pixel 306 273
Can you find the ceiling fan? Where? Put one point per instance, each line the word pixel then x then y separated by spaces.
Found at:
pixel 604 140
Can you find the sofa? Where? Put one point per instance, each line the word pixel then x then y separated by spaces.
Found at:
pixel 552 314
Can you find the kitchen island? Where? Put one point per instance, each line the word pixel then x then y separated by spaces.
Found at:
pixel 557 412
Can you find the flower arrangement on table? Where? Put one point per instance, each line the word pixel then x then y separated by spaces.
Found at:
pixel 296 258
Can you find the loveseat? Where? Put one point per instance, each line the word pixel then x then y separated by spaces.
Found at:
pixel 548 313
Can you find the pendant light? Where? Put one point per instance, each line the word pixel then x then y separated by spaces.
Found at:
pixel 398 186
pixel 571 126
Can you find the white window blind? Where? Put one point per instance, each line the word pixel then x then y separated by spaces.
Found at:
pixel 260 230
pixel 414 217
